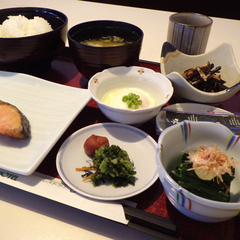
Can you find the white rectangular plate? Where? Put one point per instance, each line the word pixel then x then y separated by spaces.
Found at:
pixel 50 108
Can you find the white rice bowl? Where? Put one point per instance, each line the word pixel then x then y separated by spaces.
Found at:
pixel 20 26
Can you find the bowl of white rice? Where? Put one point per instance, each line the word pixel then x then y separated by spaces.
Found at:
pixel 31 38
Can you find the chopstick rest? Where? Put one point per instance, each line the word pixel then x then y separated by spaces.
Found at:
pixel 152 224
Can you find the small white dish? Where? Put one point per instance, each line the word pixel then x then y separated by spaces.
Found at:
pixel 139 145
pixel 174 63
pixel 187 108
pixel 49 107
pixel 147 80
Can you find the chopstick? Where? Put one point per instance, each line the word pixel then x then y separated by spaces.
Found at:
pixel 152 224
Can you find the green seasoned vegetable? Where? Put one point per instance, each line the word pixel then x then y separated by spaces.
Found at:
pixel 213 189
pixel 112 164
pixel 132 100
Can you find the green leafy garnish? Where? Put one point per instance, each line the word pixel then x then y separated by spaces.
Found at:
pixel 132 100
pixel 111 164
pixel 210 189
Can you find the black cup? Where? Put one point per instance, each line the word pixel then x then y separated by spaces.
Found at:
pixel 91 59
pixel 23 54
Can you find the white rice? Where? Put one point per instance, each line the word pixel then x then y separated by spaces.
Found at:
pixel 20 26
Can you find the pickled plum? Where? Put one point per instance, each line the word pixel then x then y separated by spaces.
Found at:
pixel 93 143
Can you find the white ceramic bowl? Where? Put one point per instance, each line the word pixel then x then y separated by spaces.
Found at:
pixel 186 136
pixel 155 84
pixel 174 63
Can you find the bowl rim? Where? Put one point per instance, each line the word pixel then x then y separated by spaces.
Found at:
pixel 35 9
pixel 131 111
pixel 75 28
pixel 165 174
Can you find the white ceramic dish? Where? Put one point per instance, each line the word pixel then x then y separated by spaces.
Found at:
pixel 140 147
pixel 187 108
pixel 155 84
pixel 187 136
pixel 174 63
pixel 50 108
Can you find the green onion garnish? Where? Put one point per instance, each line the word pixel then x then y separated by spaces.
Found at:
pixel 132 100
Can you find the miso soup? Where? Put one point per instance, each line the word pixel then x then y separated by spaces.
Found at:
pixel 108 41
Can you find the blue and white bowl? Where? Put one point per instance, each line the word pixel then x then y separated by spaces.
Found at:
pixel 187 136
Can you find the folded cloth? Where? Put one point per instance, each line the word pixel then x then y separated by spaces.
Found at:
pixel 230 121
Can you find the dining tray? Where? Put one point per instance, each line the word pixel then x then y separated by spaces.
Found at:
pixel 152 203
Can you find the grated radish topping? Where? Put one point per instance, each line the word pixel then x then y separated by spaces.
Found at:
pixel 212 161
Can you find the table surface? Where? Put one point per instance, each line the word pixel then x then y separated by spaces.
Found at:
pixel 34 217
pixel 154 23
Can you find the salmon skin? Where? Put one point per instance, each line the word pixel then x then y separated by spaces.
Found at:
pixel 13 123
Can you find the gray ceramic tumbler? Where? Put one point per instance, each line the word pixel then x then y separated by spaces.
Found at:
pixel 189 32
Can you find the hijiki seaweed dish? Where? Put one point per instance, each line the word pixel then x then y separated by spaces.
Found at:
pixel 205 78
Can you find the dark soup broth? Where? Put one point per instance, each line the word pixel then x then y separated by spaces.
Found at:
pixel 108 41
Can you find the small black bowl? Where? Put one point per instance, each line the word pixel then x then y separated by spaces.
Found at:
pixel 26 54
pixel 91 59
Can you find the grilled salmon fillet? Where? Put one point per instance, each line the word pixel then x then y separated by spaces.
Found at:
pixel 13 123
